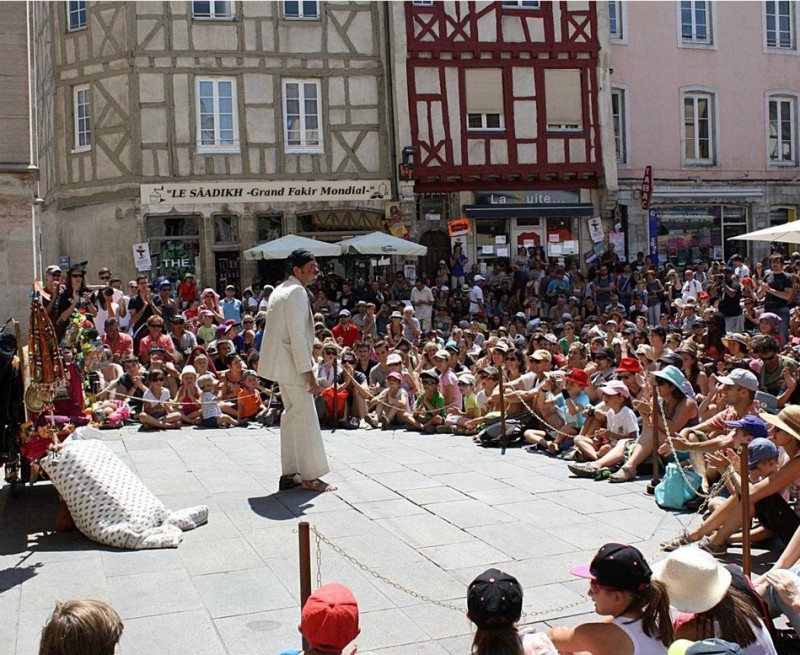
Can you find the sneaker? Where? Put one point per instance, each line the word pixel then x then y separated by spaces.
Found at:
pixel 442 429
pixel 676 542
pixel 582 470
pixel 716 551
pixel 371 420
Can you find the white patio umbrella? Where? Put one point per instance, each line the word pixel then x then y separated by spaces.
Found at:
pixel 281 248
pixel 380 243
pixel 787 233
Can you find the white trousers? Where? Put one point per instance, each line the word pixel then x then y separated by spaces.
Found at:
pixel 302 450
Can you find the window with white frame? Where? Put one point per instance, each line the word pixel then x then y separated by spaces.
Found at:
pixel 76 15
pixel 212 9
pixel 620 119
pixel 696 22
pixel 615 22
pixel 302 109
pixel 422 3
pixel 308 9
pixel 82 108
pixel 484 93
pixel 217 122
pixel 699 138
pixel 780 24
pixel 521 4
pixel 782 130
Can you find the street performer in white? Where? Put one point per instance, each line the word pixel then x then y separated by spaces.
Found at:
pixel 286 357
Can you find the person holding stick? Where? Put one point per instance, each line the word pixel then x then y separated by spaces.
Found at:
pixel 286 357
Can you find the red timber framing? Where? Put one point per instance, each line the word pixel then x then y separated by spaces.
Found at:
pixel 446 39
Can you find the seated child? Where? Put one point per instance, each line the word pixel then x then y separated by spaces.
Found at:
pixel 156 411
pixel 390 404
pixel 429 409
pixel 249 405
pixel 212 413
pixel 88 627
pixel 460 421
pixel 329 621
pixel 569 403
pixel 188 397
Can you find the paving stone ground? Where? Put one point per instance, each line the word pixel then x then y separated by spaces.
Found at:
pixel 427 513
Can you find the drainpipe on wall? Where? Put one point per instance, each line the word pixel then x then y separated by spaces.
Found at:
pixel 33 168
pixel 390 99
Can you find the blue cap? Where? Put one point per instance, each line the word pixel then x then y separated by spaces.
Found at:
pixel 753 425
pixel 759 450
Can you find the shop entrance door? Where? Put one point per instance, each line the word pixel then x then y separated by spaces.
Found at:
pixel 228 271
pixel 438 244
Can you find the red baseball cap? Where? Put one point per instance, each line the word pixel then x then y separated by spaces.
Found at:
pixel 329 620
pixel 629 365
pixel 578 376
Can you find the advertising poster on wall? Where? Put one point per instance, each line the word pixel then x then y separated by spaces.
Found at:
pixel 618 239
pixel 394 220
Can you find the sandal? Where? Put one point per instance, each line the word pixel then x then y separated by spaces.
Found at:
pixel 582 470
pixel 625 474
pixel 676 542
pixel 317 485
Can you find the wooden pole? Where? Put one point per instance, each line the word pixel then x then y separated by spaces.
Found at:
pixel 304 542
pixel 655 413
pixel 335 392
pixel 503 437
pixel 745 480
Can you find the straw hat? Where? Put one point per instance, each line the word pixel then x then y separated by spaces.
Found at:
pixel 695 581
pixel 645 350
pixel 787 420
pixel 738 338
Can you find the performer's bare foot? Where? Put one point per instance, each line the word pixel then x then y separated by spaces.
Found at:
pixel 318 485
pixel 64 522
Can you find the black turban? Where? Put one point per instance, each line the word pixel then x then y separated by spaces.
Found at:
pixel 299 258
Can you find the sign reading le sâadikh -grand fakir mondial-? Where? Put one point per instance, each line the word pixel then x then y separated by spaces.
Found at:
pixel 194 193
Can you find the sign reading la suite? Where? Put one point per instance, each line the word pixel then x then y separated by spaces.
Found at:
pixel 193 193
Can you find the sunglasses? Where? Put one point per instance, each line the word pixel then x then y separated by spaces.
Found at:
pixel 428 383
pixel 595 587
pixel 247 322
pixel 623 377
pixel 156 379
pixel 105 277
pixel 157 327
pixel 76 275
pixel 329 351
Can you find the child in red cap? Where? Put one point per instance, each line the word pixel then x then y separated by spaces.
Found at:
pixel 329 621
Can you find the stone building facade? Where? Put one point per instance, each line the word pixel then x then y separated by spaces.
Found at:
pixel 17 172
pixel 282 109
pixel 707 94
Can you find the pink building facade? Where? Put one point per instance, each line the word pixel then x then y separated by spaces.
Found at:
pixel 707 94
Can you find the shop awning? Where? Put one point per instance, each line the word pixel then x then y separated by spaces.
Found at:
pixel 281 248
pixel 529 211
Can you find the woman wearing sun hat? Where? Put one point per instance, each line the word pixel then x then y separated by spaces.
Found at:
pixel 737 344
pixel 699 585
pixel 622 588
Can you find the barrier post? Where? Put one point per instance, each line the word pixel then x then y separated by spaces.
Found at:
pixel 745 480
pixel 304 543
pixel 503 436
pixel 655 414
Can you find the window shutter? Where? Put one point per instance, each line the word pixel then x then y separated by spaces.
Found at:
pixel 484 90
pixel 562 88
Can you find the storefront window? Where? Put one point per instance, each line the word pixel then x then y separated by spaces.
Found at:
pixel 491 239
pixel 433 206
pixel 694 233
pixel 174 246
pixel 226 265
pixel 226 229
pixel 562 240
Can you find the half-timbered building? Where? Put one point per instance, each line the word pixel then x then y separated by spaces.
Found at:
pixel 204 127
pixel 506 107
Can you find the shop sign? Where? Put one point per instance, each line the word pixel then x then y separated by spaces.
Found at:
pixel 192 193
pixel 647 187
pixel 652 216
pixel 537 197
pixel 596 229
pixel 459 227
pixel 141 256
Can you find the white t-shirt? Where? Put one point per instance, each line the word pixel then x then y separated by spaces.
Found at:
pixel 149 397
pixel 423 312
pixel 475 296
pixel 622 423
pixel 691 289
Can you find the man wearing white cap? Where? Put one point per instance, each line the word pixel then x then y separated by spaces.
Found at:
pixel 476 296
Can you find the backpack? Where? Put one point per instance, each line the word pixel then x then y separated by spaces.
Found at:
pixel 672 492
pixel 491 435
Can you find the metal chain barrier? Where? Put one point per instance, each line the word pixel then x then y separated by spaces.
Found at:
pixel 322 539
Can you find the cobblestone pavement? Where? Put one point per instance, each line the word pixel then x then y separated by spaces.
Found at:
pixel 427 513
